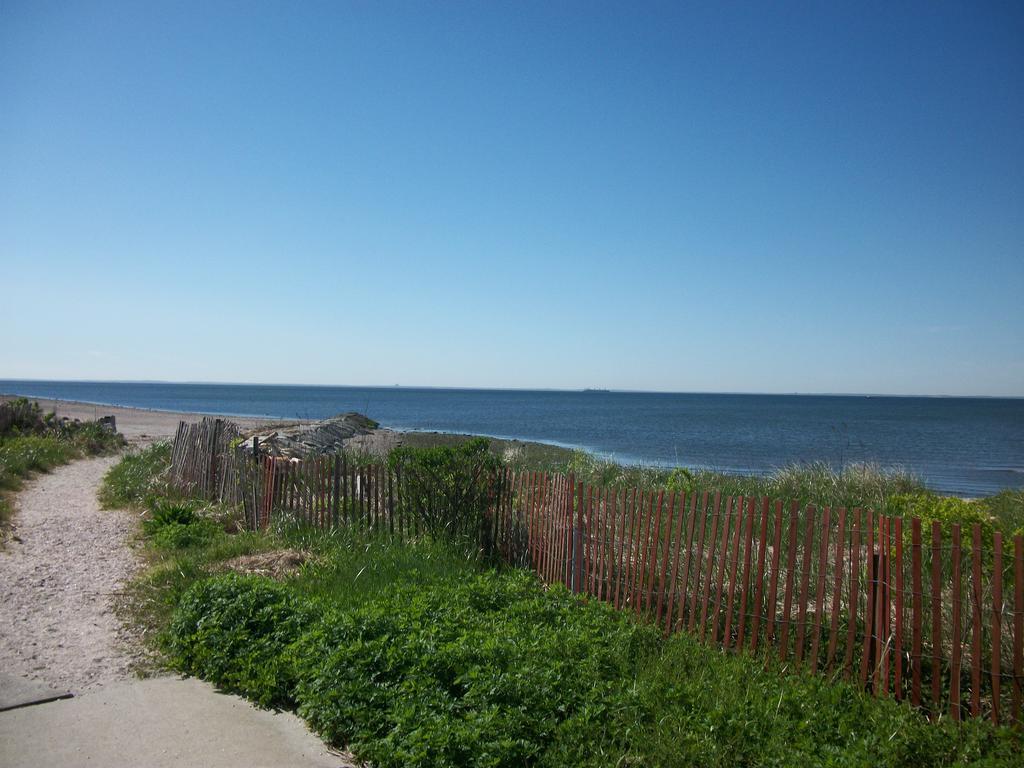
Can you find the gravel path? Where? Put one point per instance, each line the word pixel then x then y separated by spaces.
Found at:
pixel 58 581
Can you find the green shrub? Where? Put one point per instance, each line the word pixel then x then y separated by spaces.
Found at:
pixel 165 513
pixel 233 630
pixel 1007 507
pixel 945 510
pixel 23 417
pixel 92 438
pixel 489 671
pixel 714 709
pixel 198 533
pixel 447 487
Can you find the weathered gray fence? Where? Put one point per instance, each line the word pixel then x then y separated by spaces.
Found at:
pixel 203 462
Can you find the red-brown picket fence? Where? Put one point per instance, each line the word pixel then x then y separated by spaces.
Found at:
pixel 903 610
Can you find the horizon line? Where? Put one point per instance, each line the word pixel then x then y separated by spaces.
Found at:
pixel 512 389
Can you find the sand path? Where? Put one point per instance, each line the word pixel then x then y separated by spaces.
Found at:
pixel 59 579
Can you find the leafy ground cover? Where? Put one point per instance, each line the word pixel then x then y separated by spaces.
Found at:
pixel 491 669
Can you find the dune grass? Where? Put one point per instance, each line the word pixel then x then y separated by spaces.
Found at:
pixel 137 477
pixel 868 486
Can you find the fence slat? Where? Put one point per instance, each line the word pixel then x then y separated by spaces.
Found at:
pixel 539 523
pixel 664 550
pixel 819 593
pixel 1018 625
pixel 976 619
pixel 720 578
pixel 916 609
pixel 542 486
pixel 643 583
pixel 630 549
pixel 837 590
pixel 881 671
pixel 956 632
pixel 620 562
pixel 579 554
pixel 790 568
pixel 747 543
pixel 884 605
pixel 851 627
pixel 603 580
pixel 870 624
pixel 674 588
pixel 774 583
pixel 549 501
pixel 897 654
pixel 710 575
pixel 936 618
pixel 810 523
pixel 698 562
pixel 997 621
pixel 762 551
pixel 655 547
pixel 733 569
pixel 536 522
pixel 684 585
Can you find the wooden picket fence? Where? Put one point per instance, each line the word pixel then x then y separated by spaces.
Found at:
pixel 926 617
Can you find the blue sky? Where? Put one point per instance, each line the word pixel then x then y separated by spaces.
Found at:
pixel 806 197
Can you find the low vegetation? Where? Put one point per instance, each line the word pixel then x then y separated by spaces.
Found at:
pixel 417 654
pixel 34 441
pixel 891 492
pixel 137 478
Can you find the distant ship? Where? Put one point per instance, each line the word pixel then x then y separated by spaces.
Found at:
pixel 597 390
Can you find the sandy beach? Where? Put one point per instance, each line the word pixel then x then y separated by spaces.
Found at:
pixel 142 426
pixel 139 425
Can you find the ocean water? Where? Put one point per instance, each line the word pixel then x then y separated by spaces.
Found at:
pixel 967 446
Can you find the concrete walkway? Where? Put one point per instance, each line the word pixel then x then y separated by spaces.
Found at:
pixel 161 723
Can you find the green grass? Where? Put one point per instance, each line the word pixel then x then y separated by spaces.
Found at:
pixel 21 456
pixel 1007 508
pixel 855 485
pixel 867 486
pixel 136 478
pixel 350 568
